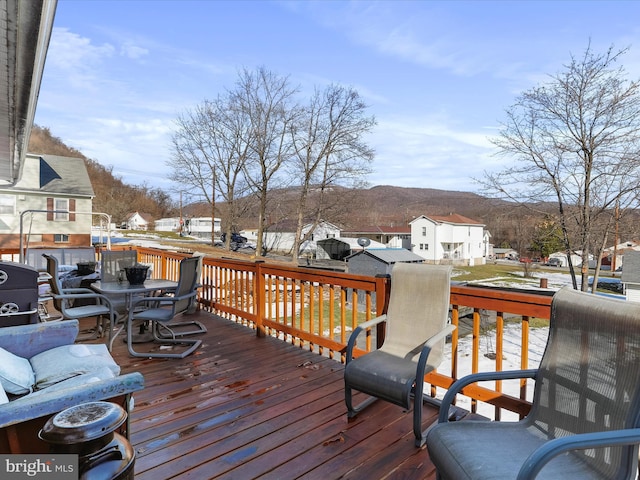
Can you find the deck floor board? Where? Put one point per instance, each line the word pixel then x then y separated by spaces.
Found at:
pixel 247 407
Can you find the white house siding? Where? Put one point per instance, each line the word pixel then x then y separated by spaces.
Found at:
pixel 136 222
pixel 283 241
pixel 196 226
pixel 29 200
pixel 632 292
pixel 440 242
pixel 167 224
pixel 201 227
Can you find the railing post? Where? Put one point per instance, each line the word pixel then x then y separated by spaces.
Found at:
pixel 259 298
pixel 383 290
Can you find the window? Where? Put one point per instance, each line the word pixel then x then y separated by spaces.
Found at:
pixel 66 207
pixel 61 207
pixel 424 231
pixel 61 238
pixel 426 246
pixel 7 205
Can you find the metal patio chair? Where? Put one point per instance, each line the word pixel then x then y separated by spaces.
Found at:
pixel 112 265
pixel 162 311
pixel 585 415
pixel 79 303
pixel 416 329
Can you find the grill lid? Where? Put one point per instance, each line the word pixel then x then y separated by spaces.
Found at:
pixel 83 423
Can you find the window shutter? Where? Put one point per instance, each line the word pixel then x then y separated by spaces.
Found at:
pixel 72 209
pixel 50 209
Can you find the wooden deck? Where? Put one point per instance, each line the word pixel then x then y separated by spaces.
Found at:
pixel 246 407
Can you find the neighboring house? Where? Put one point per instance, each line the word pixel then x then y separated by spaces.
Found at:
pixel 280 237
pixel 52 200
pixel 505 254
pixel 451 239
pixel 137 221
pixel 390 236
pixel 631 276
pixel 576 258
pixel 199 227
pixel 613 256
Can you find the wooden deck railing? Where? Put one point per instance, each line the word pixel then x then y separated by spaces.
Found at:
pixel 317 310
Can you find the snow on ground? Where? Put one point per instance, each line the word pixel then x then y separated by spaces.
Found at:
pixel 511 343
pixel 510 361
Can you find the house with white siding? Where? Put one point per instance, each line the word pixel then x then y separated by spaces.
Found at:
pixel 451 239
pixel 280 237
pixel 391 236
pixel 51 203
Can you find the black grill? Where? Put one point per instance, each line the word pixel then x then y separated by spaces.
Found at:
pixel 18 294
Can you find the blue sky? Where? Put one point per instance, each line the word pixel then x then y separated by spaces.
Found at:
pixel 437 75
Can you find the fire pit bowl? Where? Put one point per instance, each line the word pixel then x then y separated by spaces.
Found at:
pixel 137 274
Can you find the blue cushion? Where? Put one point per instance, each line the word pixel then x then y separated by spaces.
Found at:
pixel 68 361
pixel 16 374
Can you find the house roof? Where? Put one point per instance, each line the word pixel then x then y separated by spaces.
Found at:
pixel 290 225
pixel 145 216
pixel 452 218
pixel 379 229
pixel 54 175
pixel 389 255
pixel 25 32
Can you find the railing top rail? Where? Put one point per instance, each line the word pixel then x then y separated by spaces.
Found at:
pixel 536 303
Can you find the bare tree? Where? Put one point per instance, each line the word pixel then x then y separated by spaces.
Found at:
pixel 209 153
pixel 329 150
pixel 269 103
pixel 574 141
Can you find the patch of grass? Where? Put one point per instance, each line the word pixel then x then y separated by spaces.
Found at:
pixel 490 270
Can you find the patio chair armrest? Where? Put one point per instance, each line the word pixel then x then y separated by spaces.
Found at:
pixel 351 343
pixel 458 385
pixel 77 290
pixel 426 349
pixel 542 455
pixel 79 296
pixel 159 300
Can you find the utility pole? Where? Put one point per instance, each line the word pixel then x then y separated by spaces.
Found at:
pixel 181 223
pixel 213 209
pixel 615 240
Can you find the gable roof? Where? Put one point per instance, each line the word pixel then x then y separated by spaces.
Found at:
pixel 453 219
pixel 54 175
pixel 145 216
pixel 379 229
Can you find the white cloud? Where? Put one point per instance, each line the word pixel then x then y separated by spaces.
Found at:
pixel 133 51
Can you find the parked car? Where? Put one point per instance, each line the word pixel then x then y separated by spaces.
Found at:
pixel 237 240
pixel 553 262
pixel 235 237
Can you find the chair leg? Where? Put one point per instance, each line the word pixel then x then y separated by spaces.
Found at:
pixel 421 437
pixel 175 333
pixel 348 400
pixel 191 344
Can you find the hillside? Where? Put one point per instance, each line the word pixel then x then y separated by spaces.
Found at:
pixel 112 195
pixel 383 205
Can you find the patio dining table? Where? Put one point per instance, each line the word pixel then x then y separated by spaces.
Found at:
pixel 124 288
